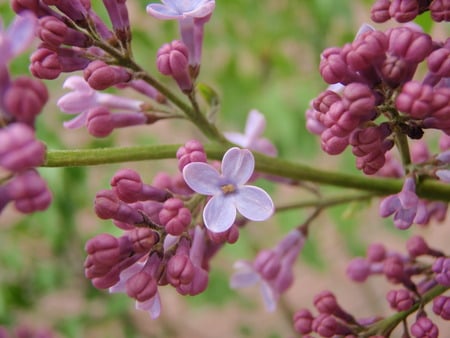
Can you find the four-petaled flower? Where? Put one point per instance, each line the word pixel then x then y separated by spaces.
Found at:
pixel 251 139
pixel 229 190
pixel 180 9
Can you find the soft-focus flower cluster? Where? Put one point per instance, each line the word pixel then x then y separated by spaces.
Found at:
pixel 21 100
pixel 23 331
pixel 415 277
pixel 164 242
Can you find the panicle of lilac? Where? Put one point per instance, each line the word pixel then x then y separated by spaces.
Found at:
pixel 174 216
pixel 191 17
pixel 424 328
pixel 24 99
pixel 441 267
pixel 101 76
pixel 252 138
pixel 192 151
pixel 402 205
pixel 28 191
pixel 19 148
pixel 441 307
pixel 303 320
pixel 172 60
pixel 129 187
pixel 400 300
pixel 407 10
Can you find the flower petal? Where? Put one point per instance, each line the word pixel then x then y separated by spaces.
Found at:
pixel 237 138
pixel 254 203
pixel 202 178
pixel 163 12
pixel 238 165
pixel 21 32
pixel 244 276
pixel 76 122
pixel 152 306
pixel 256 123
pixel 269 297
pixel 219 213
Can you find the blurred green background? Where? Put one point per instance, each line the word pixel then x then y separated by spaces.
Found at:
pixel 258 54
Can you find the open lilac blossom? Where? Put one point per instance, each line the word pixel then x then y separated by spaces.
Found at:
pixel 272 269
pixel 251 139
pixel 229 190
pixel 83 98
pixel 403 205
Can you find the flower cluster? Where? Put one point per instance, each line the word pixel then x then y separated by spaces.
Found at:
pixel 163 241
pixel 407 10
pixel 23 331
pixel 21 101
pixel 417 277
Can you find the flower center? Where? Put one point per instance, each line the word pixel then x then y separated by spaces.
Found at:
pixel 228 188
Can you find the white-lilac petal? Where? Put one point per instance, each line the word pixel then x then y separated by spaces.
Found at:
pixel 404 218
pixel 77 122
pixel 202 178
pixel 219 213
pixel 152 306
pixel 443 175
pixel 254 203
pixel 124 276
pixel 389 205
pixel 238 165
pixel 181 9
pixel 255 125
pixel 244 276
pixel 269 296
pixel 18 36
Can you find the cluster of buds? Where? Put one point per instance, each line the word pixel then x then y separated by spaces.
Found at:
pixel 418 279
pixel 21 101
pixel 407 10
pixel 163 242
pixel 373 78
pixel 23 331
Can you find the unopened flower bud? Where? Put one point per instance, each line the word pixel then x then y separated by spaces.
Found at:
pixel 376 252
pixel 424 328
pixel 404 10
pixel 441 307
pixel 303 320
pixel 180 270
pixel 100 75
pixel 175 216
pixel 440 11
pixel 142 286
pixel 44 64
pixel 441 267
pixel 400 300
pixel 108 206
pixel 192 151
pixel 380 11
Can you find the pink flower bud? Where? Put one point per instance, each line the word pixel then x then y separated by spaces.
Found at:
pixel 359 100
pixel 441 267
pixel 327 326
pixel 400 300
pixel 268 264
pixel 44 64
pixel 25 99
pixel 51 30
pixel 380 11
pixel 19 148
pixel 192 151
pixel 439 62
pixel 180 270
pixel 74 9
pixel 106 249
pixel 197 285
pixel 142 239
pixel 174 216
pixel 142 286
pixel 376 252
pixel 303 320
pixel 404 10
pixel 230 236
pixel 100 76
pixel 415 99
pixel 173 60
pixel 440 10
pixel 325 302
pixel 424 328
pixel 441 307
pixel 368 50
pixel 333 68
pixel 409 44
pixel 358 269
pixel 108 206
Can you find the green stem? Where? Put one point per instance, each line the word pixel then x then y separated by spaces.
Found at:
pixel 401 140
pixel 388 324
pixel 84 157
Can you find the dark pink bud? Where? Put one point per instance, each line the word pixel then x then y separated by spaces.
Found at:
pixel 424 328
pixel 417 246
pixel 324 101
pixel 303 320
pixel 74 9
pixel 441 306
pixel 380 11
pixel 118 14
pixel 358 269
pixel 142 286
pixel 197 285
pixel 332 144
pixel 439 62
pixel 52 31
pixel 44 64
pixel 404 10
pixel 415 99
pixel 106 249
pixel 29 192
pixel 175 216
pixel 230 236
pixel 368 50
pixel 376 252
pixel 100 75
pixel 440 10
pixel 142 239
pixel 400 300
pixel 25 99
pixel 35 6
pixel 268 264
pixel 19 148
pixel 129 188
pixel 173 60
pixel 180 270
pixel 108 206
pixel 396 70
pixel 359 99
pixel 441 267
pixel 333 68
pixel 325 302
pixel 327 326
pixel 394 269
pixel 409 44
pixel 192 151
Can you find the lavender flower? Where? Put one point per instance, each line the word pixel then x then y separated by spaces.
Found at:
pixel 228 190
pixel 251 139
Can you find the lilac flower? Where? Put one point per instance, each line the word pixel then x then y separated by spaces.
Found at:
pixel 272 269
pixel 251 139
pixel 228 190
pixel 83 98
pixel 17 37
pixel 403 205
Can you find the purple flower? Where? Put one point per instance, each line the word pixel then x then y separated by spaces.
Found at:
pixel 228 190
pixel 83 98
pixel 403 205
pixel 181 9
pixel 251 139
